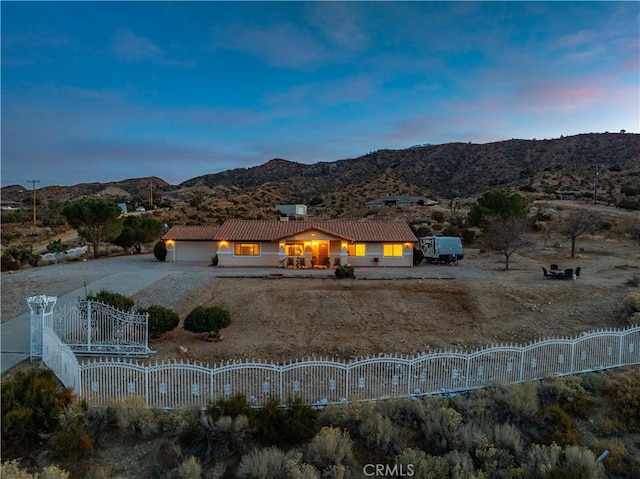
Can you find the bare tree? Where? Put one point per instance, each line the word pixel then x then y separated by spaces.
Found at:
pixel 506 235
pixel 574 224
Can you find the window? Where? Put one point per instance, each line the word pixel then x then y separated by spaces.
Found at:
pixel 247 249
pixel 394 249
pixel 294 249
pixel 358 249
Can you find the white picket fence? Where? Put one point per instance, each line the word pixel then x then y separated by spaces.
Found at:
pixel 70 253
pixel 322 381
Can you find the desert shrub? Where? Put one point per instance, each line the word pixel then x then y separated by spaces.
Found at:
pixel 31 403
pixel 438 216
pixel 407 413
pixel 207 319
pixel 190 469
pixel 118 301
pixel 418 463
pixel 132 414
pixel 451 231
pixel 508 436
pixel 169 456
pixel 265 463
pixel 346 416
pixel 517 404
pixel 161 319
pixel 345 271
pixel 631 307
pixel 468 236
pixel 418 256
pixel 557 427
pixel 578 463
pixel 541 459
pixel 622 394
pixel 12 470
pixel 160 251
pixel 16 256
pixel 441 429
pixel 331 447
pixel 78 430
pixel 381 436
pixel 222 437
pixel 284 427
pixel 233 406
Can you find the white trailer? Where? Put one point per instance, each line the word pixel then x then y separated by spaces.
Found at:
pixel 442 249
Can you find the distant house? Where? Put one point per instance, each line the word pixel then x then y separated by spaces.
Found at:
pixel 400 201
pixel 298 210
pixel 304 244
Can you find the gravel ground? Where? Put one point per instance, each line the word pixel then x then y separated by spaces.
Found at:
pixel 181 279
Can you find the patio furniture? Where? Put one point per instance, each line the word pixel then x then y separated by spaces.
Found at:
pixel 336 262
pixel 568 274
pixel 578 271
pixel 290 263
pixel 545 273
pixel 554 267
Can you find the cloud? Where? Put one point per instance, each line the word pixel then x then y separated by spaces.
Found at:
pixel 280 45
pixel 339 25
pixel 131 47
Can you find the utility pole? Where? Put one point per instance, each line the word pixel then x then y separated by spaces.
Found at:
pixel 33 188
pixel 596 174
pixel 151 195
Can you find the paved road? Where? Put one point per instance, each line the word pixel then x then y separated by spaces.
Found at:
pixel 131 274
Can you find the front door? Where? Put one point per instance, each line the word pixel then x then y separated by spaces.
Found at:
pixel 323 254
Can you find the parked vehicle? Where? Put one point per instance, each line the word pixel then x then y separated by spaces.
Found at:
pixel 442 249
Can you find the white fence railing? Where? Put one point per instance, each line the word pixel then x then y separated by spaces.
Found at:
pixel 70 253
pixel 322 381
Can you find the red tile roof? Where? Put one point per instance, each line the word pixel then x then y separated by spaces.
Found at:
pixel 365 231
pixel 192 233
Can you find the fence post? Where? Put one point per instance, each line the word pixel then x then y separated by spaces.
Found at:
pixel 621 336
pixel 409 376
pixel 521 364
pixel 573 356
pixel 466 379
pixel 89 332
pixel 40 306
pixel 346 388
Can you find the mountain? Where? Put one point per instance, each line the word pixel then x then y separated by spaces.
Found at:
pixel 562 166
pixel 458 169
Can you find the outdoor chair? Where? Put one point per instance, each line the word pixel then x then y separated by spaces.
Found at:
pixel 544 272
pixel 568 274
pixel 336 262
pixel 554 267
pixel 290 263
pixel 578 271
pixel 302 263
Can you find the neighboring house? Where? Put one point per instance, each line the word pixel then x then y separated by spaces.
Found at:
pixel 400 201
pixel 296 210
pixel 240 243
pixel 191 243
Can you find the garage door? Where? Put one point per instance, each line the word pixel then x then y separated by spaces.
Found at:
pixel 195 250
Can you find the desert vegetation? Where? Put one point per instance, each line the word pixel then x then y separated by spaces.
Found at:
pixel 573 427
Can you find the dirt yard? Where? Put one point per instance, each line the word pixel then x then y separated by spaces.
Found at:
pixel 475 305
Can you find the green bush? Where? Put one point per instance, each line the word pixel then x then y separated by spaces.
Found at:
pixel 20 254
pixel 208 320
pixel 160 251
pixel 631 307
pixel 161 319
pixel 418 256
pixel 345 271
pixel 118 301
pixel 285 426
pixel 31 403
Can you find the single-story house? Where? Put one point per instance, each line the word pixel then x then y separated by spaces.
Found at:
pixel 191 243
pixel 294 244
pixel 400 201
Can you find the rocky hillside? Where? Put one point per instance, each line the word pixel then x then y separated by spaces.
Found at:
pixel 555 168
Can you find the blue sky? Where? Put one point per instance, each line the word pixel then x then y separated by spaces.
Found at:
pixel 104 91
